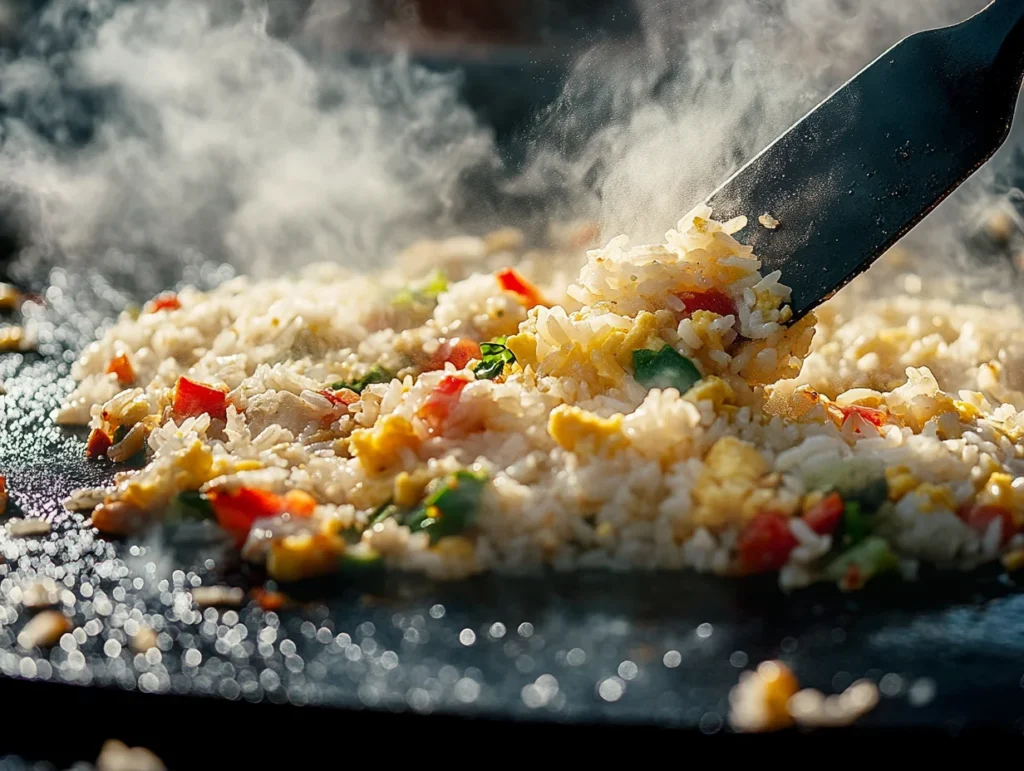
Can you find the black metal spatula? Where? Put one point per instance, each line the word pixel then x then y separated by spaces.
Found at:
pixel 866 165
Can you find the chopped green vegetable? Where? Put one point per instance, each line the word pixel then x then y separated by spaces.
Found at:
pixel 451 508
pixel 855 524
pixel 859 479
pixel 495 356
pixel 361 557
pixel 189 506
pixel 666 368
pixel 859 563
pixel 376 374
pixel 387 511
pixel 424 293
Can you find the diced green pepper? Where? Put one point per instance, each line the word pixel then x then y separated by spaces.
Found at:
pixel 189 505
pixel 666 368
pixel 452 508
pixel 376 374
pixel 495 356
pixel 854 567
pixel 387 511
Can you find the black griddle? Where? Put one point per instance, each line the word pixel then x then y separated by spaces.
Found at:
pixel 654 650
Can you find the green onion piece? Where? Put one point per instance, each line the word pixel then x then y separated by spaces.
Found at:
pixel 436 284
pixel 424 293
pixel 387 511
pixel 495 356
pixel 452 508
pixel 666 368
pixel 376 374
pixel 855 523
pixel 189 506
pixel 859 563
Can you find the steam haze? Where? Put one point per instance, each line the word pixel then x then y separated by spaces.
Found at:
pixel 216 136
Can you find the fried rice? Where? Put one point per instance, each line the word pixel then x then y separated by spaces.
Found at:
pixel 483 406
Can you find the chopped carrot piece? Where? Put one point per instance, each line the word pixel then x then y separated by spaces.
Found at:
pixel 459 351
pixel 299 502
pixel 872 416
pixel 344 396
pixel 97 444
pixel 122 367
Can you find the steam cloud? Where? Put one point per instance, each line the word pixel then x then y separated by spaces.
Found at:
pixel 217 136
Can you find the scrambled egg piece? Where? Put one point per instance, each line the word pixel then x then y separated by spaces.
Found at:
pixel 711 389
pixel 645 327
pixel 583 432
pixel 732 469
pixel 900 481
pixel 409 487
pixel 935 497
pixel 193 467
pixel 523 347
pixel 998 490
pixel 381 447
pixel 295 557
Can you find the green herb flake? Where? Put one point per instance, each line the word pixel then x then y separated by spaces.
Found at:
pixel 452 508
pixel 376 374
pixel 666 368
pixel 495 356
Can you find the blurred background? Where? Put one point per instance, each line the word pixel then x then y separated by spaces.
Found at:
pixel 262 132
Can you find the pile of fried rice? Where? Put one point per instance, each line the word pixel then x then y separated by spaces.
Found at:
pixel 483 406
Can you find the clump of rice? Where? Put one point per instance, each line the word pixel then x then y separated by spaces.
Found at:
pixel 585 465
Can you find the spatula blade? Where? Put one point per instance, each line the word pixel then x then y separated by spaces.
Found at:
pixel 866 165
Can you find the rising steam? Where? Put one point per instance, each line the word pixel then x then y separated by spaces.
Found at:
pixel 215 135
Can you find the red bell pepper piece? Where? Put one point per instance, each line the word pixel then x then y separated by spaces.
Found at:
pixel 824 516
pixel 168 301
pixel 712 300
pixel 766 543
pixel 438 406
pixel 980 516
pixel 192 398
pixel 529 294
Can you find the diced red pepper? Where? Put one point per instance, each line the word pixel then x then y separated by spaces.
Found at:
pixel 237 510
pixel 874 417
pixel 192 398
pixel 766 543
pixel 122 367
pixel 712 300
pixel 344 396
pixel 97 444
pixel 824 516
pixel 438 406
pixel 459 351
pixel 3 493
pixel 513 282
pixel 168 301
pixel 980 516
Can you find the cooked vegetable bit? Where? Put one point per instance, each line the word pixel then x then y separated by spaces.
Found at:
pixel 858 564
pixel 452 508
pixel 97 444
pixel 423 293
pixel 375 374
pixel 192 399
pixel 666 368
pixel 529 295
pixel 495 357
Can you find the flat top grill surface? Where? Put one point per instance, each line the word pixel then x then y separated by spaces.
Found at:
pixel 640 648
